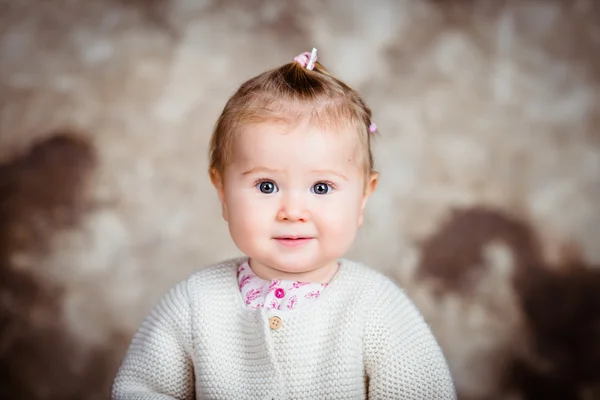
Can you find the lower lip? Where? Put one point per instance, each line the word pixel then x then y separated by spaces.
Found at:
pixel 293 242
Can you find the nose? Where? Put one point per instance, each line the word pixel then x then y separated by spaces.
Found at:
pixel 292 208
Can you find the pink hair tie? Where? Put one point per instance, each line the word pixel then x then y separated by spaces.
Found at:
pixel 373 128
pixel 307 59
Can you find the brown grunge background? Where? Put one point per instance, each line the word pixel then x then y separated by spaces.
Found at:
pixel 489 153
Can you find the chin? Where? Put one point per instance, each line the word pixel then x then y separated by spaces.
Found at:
pixel 293 265
pixel 296 266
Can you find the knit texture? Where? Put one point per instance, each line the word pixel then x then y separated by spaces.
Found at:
pixel 363 339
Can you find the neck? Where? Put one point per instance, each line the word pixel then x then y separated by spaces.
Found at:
pixel 322 274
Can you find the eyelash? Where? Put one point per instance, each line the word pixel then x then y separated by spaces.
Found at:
pixel 261 180
pixel 328 183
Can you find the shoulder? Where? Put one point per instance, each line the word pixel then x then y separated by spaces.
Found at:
pixel 177 305
pixel 372 282
pixel 216 271
pixel 215 282
pixel 355 270
pixel 385 300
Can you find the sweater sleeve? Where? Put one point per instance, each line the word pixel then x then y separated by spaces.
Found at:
pixel 402 358
pixel 158 365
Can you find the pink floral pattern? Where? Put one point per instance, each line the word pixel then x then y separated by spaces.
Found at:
pixel 292 303
pixel 274 284
pixel 274 305
pixel 297 285
pixel 259 293
pixel 253 294
pixel 312 295
pixel 244 280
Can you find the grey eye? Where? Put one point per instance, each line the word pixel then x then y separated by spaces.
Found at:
pixel 267 187
pixel 321 188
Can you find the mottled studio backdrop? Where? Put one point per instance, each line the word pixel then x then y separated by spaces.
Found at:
pixel 487 211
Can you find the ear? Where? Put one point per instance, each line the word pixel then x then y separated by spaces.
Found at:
pixel 369 189
pixel 217 181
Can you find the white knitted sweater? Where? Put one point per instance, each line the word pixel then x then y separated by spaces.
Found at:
pixel 362 339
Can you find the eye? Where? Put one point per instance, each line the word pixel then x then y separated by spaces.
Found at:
pixel 322 188
pixel 267 187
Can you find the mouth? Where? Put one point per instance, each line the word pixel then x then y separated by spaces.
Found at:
pixel 293 241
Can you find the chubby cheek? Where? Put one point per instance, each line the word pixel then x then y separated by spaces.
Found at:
pixel 247 217
pixel 339 220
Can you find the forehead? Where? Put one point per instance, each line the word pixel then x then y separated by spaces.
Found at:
pixel 283 145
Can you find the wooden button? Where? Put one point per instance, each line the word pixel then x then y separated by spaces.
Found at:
pixel 275 323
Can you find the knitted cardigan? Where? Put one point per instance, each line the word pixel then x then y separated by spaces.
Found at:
pixel 362 339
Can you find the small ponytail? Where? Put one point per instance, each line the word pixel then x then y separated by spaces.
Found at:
pixel 309 62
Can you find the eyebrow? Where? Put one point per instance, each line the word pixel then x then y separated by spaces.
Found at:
pixel 256 170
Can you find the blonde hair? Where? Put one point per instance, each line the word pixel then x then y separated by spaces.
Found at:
pixel 291 94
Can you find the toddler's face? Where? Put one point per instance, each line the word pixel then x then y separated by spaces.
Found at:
pixel 294 199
